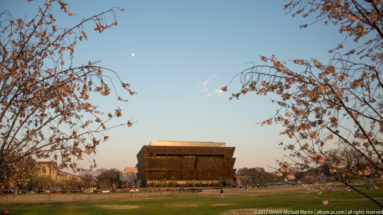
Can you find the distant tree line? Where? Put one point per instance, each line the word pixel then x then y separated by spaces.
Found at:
pixel 108 179
pixel 256 176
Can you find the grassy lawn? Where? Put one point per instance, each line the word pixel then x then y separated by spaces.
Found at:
pixel 206 203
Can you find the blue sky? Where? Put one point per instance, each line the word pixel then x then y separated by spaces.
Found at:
pixel 183 52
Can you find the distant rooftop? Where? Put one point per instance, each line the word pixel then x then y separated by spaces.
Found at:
pixel 186 143
pixel 130 170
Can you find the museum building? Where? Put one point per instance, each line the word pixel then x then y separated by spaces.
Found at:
pixel 184 163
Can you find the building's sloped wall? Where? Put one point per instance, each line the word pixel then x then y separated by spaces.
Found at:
pixel 141 165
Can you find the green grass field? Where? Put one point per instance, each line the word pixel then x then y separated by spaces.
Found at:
pixel 234 202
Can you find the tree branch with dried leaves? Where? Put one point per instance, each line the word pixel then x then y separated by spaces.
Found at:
pixel 326 109
pixel 45 100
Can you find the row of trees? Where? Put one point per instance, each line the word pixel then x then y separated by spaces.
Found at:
pixel 33 181
pixel 256 176
pixel 108 179
pixel 45 183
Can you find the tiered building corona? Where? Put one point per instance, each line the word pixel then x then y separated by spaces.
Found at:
pixel 168 163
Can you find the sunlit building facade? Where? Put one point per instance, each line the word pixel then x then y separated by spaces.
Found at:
pixel 182 163
pixel 50 170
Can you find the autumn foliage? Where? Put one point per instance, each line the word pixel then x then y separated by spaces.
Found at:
pixel 329 108
pixel 46 111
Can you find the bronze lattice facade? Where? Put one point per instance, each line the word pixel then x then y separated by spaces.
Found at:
pixel 185 163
